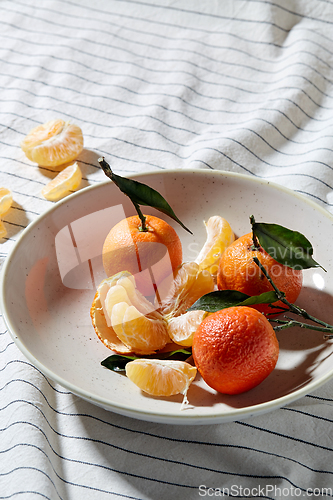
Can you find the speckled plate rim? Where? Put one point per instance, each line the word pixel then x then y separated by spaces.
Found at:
pixel 126 409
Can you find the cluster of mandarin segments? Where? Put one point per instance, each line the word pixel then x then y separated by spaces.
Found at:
pixel 127 322
pixel 6 200
pixel 53 144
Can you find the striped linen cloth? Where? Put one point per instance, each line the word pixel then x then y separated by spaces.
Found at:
pixel 237 85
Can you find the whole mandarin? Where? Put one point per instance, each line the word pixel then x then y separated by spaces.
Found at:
pixel 235 349
pixel 150 256
pixel 238 271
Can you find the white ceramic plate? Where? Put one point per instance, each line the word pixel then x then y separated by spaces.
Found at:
pixel 49 280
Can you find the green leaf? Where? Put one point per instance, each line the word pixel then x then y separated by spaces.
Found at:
pixel 139 193
pixel 118 362
pixel 287 247
pixel 222 299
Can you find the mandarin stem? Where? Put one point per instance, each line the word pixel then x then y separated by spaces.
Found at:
pixel 108 172
pixel 291 322
pixel 255 240
pixel 143 227
pixel 325 327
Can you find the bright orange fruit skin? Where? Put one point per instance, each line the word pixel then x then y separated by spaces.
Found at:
pixel 155 253
pixel 235 349
pixel 237 271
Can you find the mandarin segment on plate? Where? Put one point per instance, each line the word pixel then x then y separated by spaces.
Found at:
pixel 219 237
pixel 125 320
pixel 101 321
pixel 189 284
pixel 161 377
pixel 182 328
pixel 66 181
pixel 53 143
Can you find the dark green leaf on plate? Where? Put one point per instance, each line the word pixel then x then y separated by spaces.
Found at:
pixel 118 362
pixel 222 299
pixel 287 247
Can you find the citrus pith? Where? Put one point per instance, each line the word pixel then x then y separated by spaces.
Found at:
pixel 53 143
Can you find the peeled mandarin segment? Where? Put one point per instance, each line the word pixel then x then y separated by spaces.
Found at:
pixel 182 328
pixel 142 334
pixel 117 318
pixel 219 237
pixel 135 296
pixel 116 294
pixel 53 143
pixel 99 319
pixel 3 230
pixel 161 377
pixel 170 291
pixel 6 200
pixel 188 286
pixel 66 181
pixel 202 284
pixel 120 324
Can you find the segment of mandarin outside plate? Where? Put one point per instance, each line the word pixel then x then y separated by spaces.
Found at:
pixel 67 181
pixel 6 200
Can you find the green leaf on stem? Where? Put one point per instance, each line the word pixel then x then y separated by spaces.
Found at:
pixel 139 193
pixel 287 247
pixel 222 299
pixel 118 362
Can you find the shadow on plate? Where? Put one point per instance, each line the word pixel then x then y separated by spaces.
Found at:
pixel 304 357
